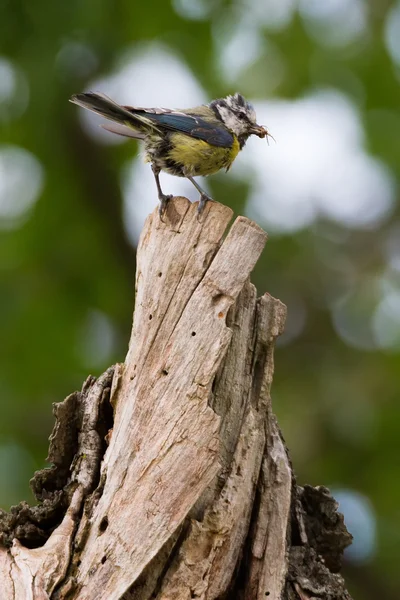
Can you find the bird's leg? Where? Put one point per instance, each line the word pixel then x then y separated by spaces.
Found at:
pixel 204 198
pixel 163 198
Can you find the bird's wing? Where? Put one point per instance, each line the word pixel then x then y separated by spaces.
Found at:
pixel 192 125
pixel 158 119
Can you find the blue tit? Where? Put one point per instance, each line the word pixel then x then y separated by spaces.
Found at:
pixel 183 142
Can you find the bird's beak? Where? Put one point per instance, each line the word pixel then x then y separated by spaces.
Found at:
pixel 261 131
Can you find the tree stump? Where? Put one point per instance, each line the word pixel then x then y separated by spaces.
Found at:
pixel 170 478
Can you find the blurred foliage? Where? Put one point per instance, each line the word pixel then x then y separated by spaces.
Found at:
pixel 67 263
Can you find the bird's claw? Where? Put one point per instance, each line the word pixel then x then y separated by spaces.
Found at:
pixel 164 199
pixel 202 204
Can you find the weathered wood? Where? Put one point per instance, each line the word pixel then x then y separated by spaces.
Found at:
pixel 194 497
pixel 33 574
pixel 164 447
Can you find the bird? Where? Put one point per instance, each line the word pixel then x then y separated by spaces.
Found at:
pixel 187 142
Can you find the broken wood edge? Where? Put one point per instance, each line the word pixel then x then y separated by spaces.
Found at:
pixel 79 425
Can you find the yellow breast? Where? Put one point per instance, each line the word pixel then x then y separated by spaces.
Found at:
pixel 200 158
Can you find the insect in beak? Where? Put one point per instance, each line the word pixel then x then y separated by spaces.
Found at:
pixel 262 132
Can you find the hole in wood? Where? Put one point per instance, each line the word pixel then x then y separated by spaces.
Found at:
pixel 159 274
pixel 103 525
pixel 150 317
pixel 103 560
pixel 193 333
pixel 217 298
pixel 164 372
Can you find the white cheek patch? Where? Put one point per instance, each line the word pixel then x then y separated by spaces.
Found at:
pixel 231 121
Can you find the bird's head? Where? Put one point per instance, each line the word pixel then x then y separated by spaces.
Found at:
pixel 239 116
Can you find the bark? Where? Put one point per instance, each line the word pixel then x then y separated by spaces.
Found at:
pixel 170 478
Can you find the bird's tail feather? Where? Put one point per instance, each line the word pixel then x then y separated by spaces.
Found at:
pixel 129 125
pixel 123 130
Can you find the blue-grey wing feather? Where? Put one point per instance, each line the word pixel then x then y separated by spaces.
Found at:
pixel 194 126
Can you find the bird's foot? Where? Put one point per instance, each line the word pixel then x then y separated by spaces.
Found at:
pixel 164 199
pixel 202 204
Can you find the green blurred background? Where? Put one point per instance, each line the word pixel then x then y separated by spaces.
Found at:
pixel 324 77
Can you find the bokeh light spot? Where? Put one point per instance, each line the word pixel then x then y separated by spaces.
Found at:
pixel 392 33
pixel 269 13
pixel 8 80
pixel 14 90
pixel 237 48
pixel 76 59
pixel 97 340
pixel 21 182
pixel 194 10
pixel 386 321
pixel 360 520
pixel 334 22
pixel 352 314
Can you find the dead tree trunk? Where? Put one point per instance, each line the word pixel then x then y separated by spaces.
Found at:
pixel 170 478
